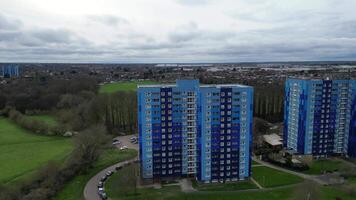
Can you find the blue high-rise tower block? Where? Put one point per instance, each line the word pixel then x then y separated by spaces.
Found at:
pixel 320 117
pixel 203 131
pixel 10 70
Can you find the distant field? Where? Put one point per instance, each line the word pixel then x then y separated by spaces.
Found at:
pixel 123 86
pixel 23 152
pixel 268 177
pixel 48 119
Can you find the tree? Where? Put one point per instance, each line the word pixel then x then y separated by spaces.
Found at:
pixel 89 144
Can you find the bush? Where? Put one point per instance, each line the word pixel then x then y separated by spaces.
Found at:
pixel 33 125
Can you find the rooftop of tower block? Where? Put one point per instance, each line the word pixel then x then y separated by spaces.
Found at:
pixel 190 83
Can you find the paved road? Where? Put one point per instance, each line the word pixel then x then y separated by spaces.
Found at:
pixel 305 176
pixel 91 190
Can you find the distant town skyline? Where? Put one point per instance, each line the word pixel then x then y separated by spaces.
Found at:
pixel 175 31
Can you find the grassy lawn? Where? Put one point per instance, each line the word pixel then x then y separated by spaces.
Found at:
pixel 241 185
pixel 352 180
pixel 173 193
pixel 254 163
pixel 121 186
pixel 331 193
pixel 123 86
pixel 268 177
pixel 279 194
pixel 319 166
pixel 116 192
pixel 118 187
pixel 74 189
pixel 48 119
pixel 22 152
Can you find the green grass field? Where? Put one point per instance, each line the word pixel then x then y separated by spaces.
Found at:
pixel 268 177
pixel 319 166
pixel 48 119
pixel 22 152
pixel 123 86
pixel 74 189
pixel 117 188
pixel 241 185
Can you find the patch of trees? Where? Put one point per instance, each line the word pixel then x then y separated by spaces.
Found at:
pixel 117 111
pixel 33 125
pixel 42 95
pixel 52 178
pixel 269 103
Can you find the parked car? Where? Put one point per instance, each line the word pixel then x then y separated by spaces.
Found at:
pixel 100 191
pixel 103 178
pixel 100 184
pixel 118 168
pixel 103 196
pixel 123 147
pixel 116 142
pixel 109 173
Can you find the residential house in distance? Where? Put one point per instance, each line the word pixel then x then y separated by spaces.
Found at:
pixel 192 130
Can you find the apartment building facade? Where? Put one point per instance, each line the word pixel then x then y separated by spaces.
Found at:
pixel 188 129
pixel 319 117
pixel 10 70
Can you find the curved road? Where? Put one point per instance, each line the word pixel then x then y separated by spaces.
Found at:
pixel 91 189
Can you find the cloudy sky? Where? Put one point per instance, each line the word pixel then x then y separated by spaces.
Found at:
pixel 177 30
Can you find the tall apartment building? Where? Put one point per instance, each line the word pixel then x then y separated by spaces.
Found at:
pixel 190 130
pixel 10 70
pixel 320 117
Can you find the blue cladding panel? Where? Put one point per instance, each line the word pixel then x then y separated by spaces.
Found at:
pixel 352 136
pixel 286 112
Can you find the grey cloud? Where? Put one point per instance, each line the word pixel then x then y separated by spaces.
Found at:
pixel 7 24
pixel 52 35
pixel 191 32
pixel 109 20
pixel 287 36
pixel 193 2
